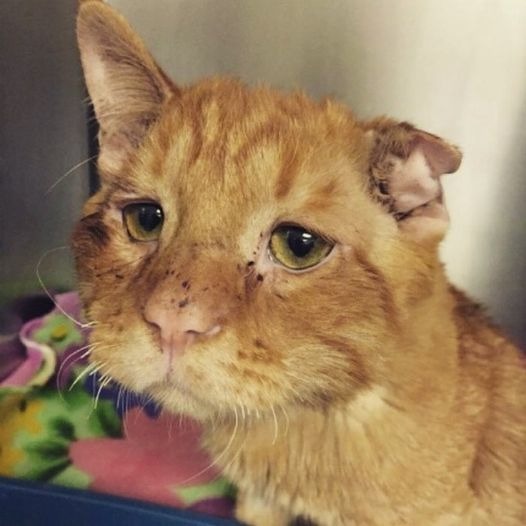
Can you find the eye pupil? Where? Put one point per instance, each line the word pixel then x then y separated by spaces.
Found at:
pixel 295 248
pixel 300 242
pixel 149 217
pixel 143 221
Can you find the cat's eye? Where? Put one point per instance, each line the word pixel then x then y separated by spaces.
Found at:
pixel 143 221
pixel 296 248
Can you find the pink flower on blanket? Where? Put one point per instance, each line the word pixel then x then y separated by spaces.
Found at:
pixel 159 460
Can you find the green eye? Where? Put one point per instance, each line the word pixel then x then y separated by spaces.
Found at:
pixel 296 248
pixel 143 221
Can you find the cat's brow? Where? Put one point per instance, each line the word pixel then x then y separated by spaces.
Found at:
pixel 126 187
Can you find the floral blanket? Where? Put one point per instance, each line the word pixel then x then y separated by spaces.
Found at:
pixel 58 424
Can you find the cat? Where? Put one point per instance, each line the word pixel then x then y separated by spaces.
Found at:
pixel 269 265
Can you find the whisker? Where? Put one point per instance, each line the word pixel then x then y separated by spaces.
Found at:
pixel 103 382
pixel 90 369
pixel 70 360
pixel 119 395
pixel 275 425
pixel 125 412
pixel 234 457
pixel 69 172
pixel 46 290
pixel 137 413
pixel 180 419
pixel 74 356
pixel 170 428
pixel 287 421
pixel 219 457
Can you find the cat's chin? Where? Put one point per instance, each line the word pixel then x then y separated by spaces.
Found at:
pixel 177 398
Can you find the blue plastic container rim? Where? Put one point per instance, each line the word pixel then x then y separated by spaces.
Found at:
pixel 31 504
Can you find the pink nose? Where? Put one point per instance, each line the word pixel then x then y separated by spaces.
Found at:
pixel 179 327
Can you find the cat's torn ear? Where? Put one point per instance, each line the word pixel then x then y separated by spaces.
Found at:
pixel 125 84
pixel 405 166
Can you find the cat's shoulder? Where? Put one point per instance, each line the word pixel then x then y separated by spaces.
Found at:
pixel 477 329
pixel 483 347
pixel 492 368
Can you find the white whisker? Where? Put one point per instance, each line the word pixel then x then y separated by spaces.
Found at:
pixel 119 395
pixel 125 412
pixel 170 428
pixel 287 421
pixel 275 425
pixel 48 293
pixel 69 172
pixel 103 382
pixel 219 457
pixel 72 358
pixel 88 371
pixel 234 457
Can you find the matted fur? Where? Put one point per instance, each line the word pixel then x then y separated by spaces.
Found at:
pixel 366 391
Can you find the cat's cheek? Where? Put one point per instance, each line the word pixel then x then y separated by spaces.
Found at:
pixel 104 253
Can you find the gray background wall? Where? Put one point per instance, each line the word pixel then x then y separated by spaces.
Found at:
pixel 42 135
pixel 455 68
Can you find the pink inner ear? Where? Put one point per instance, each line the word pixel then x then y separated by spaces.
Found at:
pixel 413 182
pixel 415 187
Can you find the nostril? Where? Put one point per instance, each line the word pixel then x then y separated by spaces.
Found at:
pixel 153 318
pixel 216 329
pixel 206 332
pixel 153 325
pixel 175 324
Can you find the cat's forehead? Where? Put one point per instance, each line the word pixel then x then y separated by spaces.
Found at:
pixel 221 142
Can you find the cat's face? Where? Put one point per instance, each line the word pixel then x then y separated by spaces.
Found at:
pixel 247 249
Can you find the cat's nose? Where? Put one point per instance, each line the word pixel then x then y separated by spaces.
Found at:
pixel 180 328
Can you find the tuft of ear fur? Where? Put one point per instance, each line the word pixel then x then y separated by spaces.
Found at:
pixel 405 165
pixel 125 84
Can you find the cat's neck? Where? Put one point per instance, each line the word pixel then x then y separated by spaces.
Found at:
pixel 421 359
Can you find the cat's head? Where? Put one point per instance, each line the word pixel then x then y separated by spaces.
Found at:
pixel 247 248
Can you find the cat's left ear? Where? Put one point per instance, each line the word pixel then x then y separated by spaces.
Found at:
pixel 405 167
pixel 125 84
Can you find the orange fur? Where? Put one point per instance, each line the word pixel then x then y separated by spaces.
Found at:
pixel 364 391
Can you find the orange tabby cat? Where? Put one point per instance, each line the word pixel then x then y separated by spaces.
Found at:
pixel 268 265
